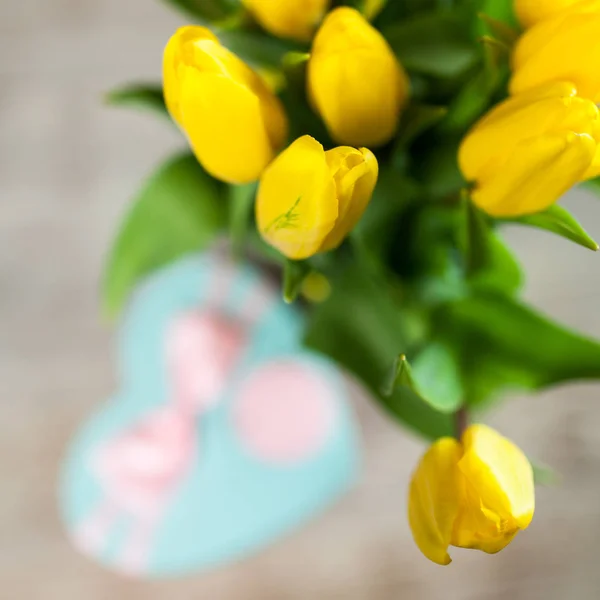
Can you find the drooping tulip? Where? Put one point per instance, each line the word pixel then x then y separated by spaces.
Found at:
pixel 474 493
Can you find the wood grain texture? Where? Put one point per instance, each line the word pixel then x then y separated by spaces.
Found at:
pixel 67 168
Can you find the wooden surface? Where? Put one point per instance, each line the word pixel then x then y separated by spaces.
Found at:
pixel 67 168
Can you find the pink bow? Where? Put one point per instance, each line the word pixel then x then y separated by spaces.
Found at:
pixel 140 467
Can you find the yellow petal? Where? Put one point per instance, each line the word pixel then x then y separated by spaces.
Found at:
pixel 296 19
pixel 533 11
pixel 433 501
pixel 594 170
pixel 355 174
pixel 174 60
pixel 477 527
pixel 553 108
pixel 537 174
pixel 355 81
pixel 209 57
pixel 225 127
pixel 513 104
pixel 540 54
pixel 296 206
pixel 471 534
pixel 500 475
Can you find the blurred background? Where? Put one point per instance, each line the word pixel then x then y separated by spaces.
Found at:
pixel 68 166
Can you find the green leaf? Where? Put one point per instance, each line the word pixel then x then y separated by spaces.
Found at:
pixel 559 220
pixel 501 344
pixel 362 327
pixel 139 95
pixel 500 29
pixel 400 375
pixel 435 43
pixel 241 205
pixel 207 10
pixel 437 379
pixel 179 210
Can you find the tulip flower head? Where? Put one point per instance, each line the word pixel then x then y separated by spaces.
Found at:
pixel 531 149
pixel 531 12
pixel 234 123
pixel 295 19
pixel 477 493
pixel 309 199
pixel 562 48
pixel 355 81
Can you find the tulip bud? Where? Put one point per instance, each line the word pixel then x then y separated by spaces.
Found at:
pixel 477 493
pixel 531 12
pixel 530 149
pixel 295 19
pixel 309 199
pixel 540 56
pixel 355 81
pixel 234 123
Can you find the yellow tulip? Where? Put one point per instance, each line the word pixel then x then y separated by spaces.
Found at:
pixel 563 48
pixel 531 12
pixel 234 123
pixel 309 199
pixel 477 493
pixel 355 81
pixel 530 149
pixel 295 19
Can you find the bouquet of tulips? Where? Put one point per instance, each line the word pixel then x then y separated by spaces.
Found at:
pixel 370 151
